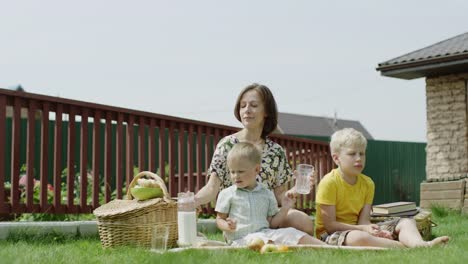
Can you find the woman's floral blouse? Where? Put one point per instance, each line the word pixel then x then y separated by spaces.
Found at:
pixel 275 169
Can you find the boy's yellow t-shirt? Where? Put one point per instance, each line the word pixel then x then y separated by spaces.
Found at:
pixel 347 199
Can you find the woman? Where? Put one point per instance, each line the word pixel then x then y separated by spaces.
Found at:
pixel 256 110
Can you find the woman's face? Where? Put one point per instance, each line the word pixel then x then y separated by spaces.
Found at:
pixel 252 110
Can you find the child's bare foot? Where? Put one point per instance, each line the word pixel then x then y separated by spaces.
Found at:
pixel 438 241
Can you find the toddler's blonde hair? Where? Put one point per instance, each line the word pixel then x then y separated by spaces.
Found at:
pixel 347 137
pixel 245 151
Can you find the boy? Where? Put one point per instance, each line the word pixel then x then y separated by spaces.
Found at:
pixel 247 210
pixel 344 202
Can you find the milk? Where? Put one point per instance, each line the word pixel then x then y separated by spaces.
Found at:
pixel 186 219
pixel 187 225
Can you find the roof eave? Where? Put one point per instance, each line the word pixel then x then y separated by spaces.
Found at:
pixel 427 68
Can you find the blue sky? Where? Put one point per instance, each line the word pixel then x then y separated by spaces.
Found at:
pixel 191 58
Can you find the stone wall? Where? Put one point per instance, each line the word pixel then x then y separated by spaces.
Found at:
pixel 465 204
pixel 450 194
pixel 447 132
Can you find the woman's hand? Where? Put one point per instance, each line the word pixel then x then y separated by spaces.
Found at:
pixel 292 194
pixel 209 191
pixel 289 199
pixel 312 178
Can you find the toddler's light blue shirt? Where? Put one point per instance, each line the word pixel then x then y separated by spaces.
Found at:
pixel 250 208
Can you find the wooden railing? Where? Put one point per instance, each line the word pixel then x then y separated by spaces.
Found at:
pixel 181 149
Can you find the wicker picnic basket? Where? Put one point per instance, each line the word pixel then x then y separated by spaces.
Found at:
pixel 425 224
pixel 129 222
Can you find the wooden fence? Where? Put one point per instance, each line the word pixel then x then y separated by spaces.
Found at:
pixel 181 149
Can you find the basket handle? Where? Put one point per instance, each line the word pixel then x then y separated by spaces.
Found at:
pixel 151 175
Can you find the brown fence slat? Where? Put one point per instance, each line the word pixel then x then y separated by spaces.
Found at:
pixel 171 176
pixel 15 156
pixel 3 208
pixel 216 137
pixel 322 165
pixel 108 157
pixel 44 158
pixel 152 146
pixel 328 161
pixel 304 153
pixel 328 158
pixel 84 159
pixel 208 154
pixel 309 153
pixel 96 157
pixel 190 158
pixel 300 159
pixel 3 105
pixel 162 150
pixel 30 155
pixel 120 155
pixel 181 170
pixel 130 146
pixel 141 145
pixel 294 154
pixel 199 158
pixel 298 152
pixel 58 157
pixel 71 158
pixel 315 162
pixel 302 150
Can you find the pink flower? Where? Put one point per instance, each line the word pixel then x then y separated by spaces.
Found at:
pixel 24 179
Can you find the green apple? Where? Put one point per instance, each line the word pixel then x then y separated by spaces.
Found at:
pixel 283 248
pixel 268 248
pixel 256 244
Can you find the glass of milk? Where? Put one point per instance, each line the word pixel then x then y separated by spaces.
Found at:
pixel 186 219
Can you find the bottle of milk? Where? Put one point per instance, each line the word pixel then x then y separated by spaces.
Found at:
pixel 186 219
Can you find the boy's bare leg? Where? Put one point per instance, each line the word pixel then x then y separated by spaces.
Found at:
pixel 361 238
pixel 299 220
pixel 409 235
pixel 310 240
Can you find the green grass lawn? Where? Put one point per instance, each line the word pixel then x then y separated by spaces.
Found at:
pixel 59 249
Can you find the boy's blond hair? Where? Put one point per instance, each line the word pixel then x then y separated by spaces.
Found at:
pixel 347 137
pixel 245 151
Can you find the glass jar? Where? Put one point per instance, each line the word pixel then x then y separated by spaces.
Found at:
pixel 186 219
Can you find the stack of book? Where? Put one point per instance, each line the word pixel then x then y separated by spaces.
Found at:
pixel 402 209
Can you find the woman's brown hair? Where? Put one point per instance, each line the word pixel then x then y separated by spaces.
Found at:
pixel 269 103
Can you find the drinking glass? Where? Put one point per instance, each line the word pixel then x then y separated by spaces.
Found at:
pixel 303 174
pixel 159 238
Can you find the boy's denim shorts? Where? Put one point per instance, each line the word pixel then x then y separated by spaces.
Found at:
pixel 338 238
